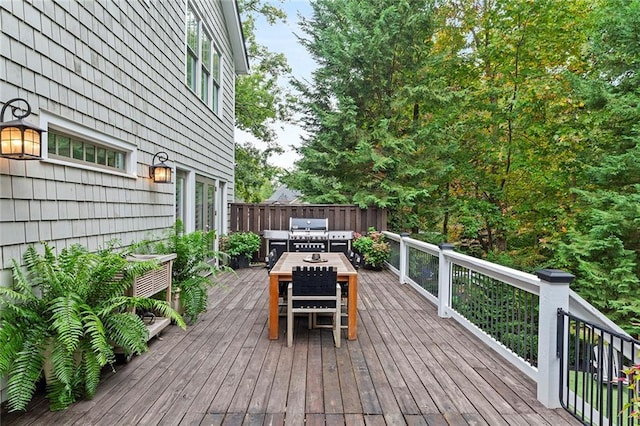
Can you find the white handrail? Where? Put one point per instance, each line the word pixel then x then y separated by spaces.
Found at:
pixel 556 294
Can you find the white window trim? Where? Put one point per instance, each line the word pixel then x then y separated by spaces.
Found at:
pixel 71 128
pixel 203 28
pixel 189 212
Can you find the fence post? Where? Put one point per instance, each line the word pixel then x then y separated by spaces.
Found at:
pixel 554 294
pixel 444 278
pixel 404 257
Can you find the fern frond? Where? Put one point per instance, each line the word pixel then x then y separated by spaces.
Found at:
pixel 160 307
pixel 127 331
pixel 91 366
pixel 66 320
pixel 21 286
pixel 63 363
pixel 194 297
pixel 25 373
pixel 96 341
pixel 60 395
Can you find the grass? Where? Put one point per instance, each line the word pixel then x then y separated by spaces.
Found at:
pixel 585 386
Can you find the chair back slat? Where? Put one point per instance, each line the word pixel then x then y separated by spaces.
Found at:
pixel 314 281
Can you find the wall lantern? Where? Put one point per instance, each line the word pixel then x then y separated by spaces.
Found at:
pixel 160 172
pixel 19 139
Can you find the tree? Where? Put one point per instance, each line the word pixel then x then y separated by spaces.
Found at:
pixel 603 245
pixel 445 110
pixel 260 102
pixel 361 147
pixel 514 127
pixel 254 175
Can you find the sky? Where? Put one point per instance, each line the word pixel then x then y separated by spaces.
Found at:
pixel 281 38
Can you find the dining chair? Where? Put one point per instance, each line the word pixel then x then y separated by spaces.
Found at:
pixel 314 290
pixel 272 258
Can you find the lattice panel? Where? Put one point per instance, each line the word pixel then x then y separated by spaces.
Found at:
pixel 153 281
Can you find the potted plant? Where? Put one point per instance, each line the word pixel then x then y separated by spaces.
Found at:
pixel 192 274
pixel 69 312
pixel 373 248
pixel 240 247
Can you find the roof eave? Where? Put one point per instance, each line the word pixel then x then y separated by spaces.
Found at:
pixel 234 27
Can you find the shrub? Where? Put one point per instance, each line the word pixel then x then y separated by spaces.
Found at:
pixel 373 247
pixel 241 244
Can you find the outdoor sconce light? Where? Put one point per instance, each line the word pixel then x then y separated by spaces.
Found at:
pixel 19 139
pixel 160 172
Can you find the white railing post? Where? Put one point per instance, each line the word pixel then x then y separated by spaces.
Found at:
pixel 404 257
pixel 444 281
pixel 554 294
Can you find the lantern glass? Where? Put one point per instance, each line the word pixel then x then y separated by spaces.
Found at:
pixel 161 174
pixel 10 141
pixel 20 143
pixel 32 142
pixel 19 140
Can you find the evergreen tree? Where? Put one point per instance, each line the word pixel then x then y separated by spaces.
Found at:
pixel 603 246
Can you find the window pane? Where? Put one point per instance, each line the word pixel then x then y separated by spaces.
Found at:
pixel 90 153
pixel 192 30
pixel 206 51
pixel 52 143
pixel 204 86
pixel 214 100
pixel 211 206
pixel 78 150
pixel 120 160
pixel 102 156
pixel 215 68
pixel 64 146
pixel 180 198
pixel 199 205
pixel 85 151
pixel 191 71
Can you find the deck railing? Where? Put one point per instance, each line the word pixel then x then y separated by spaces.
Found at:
pixel 594 386
pixel 513 312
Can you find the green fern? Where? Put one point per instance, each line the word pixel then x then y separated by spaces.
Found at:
pixel 70 307
pixel 192 273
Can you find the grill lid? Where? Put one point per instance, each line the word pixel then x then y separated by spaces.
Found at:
pixel 297 224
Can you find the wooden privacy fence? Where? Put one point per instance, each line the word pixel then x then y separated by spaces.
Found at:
pixel 258 217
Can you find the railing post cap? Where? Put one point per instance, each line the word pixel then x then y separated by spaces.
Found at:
pixel 446 246
pixel 555 276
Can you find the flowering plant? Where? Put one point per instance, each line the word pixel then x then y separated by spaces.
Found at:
pixel 373 247
pixel 633 374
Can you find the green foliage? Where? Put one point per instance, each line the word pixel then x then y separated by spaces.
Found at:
pixel 633 405
pixel 602 246
pixel 259 98
pixel 241 244
pixel 255 177
pixel 373 247
pixel 362 148
pixel 69 310
pixel 260 102
pixel 192 272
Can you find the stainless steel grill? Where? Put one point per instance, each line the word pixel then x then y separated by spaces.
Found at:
pixel 308 235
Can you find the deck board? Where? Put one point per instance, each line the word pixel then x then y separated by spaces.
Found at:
pixel 408 366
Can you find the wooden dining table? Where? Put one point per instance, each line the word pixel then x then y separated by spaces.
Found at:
pixel 282 272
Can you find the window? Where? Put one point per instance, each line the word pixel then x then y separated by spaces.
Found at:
pixel 83 151
pixel 203 61
pixel 180 196
pixel 200 219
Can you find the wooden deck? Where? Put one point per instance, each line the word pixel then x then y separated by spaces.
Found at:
pixel 407 367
